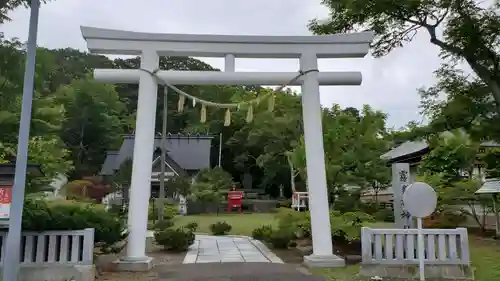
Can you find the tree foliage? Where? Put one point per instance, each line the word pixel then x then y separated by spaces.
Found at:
pixel 47 152
pixel 353 143
pixel 94 122
pixel 91 188
pixel 7 6
pixel 217 179
pixel 453 156
pixel 470 29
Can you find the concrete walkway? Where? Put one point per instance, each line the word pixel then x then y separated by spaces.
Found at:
pixel 223 249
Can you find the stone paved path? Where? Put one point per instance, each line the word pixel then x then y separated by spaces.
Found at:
pixel 224 249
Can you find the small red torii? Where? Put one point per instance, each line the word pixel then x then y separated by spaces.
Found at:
pixel 234 200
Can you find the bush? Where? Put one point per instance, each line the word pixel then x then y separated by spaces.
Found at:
pixel 281 238
pixel 220 228
pixel 193 226
pixel 89 188
pixel 164 224
pixel 178 239
pixel 284 203
pixel 262 233
pixel 179 185
pixel 39 215
pixel 348 201
pixel 385 214
pixel 445 219
pixel 346 227
pixel 216 178
pixel 298 222
pixel 169 212
pixel 119 210
pixel 370 207
pixel 201 193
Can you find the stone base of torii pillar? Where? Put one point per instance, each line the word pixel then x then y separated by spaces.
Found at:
pixel 324 261
pixel 141 265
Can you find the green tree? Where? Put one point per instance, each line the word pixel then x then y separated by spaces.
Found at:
pixel 178 185
pixel 453 155
pixel 256 147
pixel 353 142
pixel 490 162
pixel 449 168
pixel 7 6
pixel 375 175
pixel 410 132
pixel 217 179
pixel 46 115
pixel 470 29
pixel 263 143
pixel 459 196
pixel 458 101
pixel 121 179
pixel 93 122
pixel 44 151
pixel 61 66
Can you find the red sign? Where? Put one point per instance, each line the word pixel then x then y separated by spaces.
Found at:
pixel 5 194
pixel 234 200
pixel 5 201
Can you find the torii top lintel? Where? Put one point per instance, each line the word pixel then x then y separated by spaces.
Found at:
pixel 120 42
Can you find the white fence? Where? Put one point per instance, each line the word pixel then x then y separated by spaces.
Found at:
pixel 399 246
pixel 54 247
pixel 112 198
pixel 300 200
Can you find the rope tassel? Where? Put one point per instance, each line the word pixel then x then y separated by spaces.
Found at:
pixel 180 103
pixel 203 112
pixel 227 118
pixel 249 114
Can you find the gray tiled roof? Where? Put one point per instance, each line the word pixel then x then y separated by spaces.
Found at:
pixel 190 152
pixel 404 149
pixel 109 163
pixel 411 147
pixel 490 144
pixel 490 186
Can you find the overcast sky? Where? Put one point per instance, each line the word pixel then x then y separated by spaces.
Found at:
pixel 389 83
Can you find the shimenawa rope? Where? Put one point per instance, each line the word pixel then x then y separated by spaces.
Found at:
pixel 228 106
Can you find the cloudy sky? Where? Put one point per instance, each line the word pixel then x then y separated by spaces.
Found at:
pixel 389 83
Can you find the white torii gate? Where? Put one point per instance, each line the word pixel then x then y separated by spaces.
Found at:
pixel 149 46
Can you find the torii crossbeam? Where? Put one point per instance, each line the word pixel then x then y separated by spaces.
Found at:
pixel 149 46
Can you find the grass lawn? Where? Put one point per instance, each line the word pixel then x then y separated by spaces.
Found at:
pixel 242 224
pixel 485 254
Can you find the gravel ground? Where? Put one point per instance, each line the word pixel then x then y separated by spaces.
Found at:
pixel 236 272
pixel 168 266
pixel 106 269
